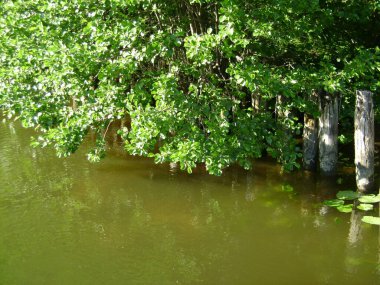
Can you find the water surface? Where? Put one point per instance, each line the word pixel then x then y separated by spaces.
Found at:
pixel 128 221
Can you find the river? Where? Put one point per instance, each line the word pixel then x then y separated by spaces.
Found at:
pixel 126 220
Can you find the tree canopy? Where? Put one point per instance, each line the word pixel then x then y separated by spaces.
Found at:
pixel 197 80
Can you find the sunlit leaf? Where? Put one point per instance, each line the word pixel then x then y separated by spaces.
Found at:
pixel 345 208
pixel 370 199
pixel 333 203
pixel 365 207
pixel 347 195
pixel 371 220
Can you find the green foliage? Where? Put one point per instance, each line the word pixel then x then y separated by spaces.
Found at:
pixel 347 195
pixel 370 199
pixel 371 220
pixel 345 208
pixel 365 207
pixel 184 73
pixel 333 203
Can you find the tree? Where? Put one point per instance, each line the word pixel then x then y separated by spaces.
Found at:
pixel 184 73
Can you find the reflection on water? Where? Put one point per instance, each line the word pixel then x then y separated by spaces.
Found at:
pixel 378 263
pixel 128 221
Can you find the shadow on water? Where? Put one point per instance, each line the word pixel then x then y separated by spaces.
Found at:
pixel 126 220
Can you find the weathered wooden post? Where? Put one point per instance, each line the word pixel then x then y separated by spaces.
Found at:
pixel 73 103
pixel 310 142
pixel 256 103
pixel 310 139
pixel 364 141
pixel 284 118
pixel 281 112
pixel 328 133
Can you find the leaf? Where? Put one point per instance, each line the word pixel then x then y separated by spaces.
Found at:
pixel 333 203
pixel 345 208
pixel 370 198
pixel 365 207
pixel 371 220
pixel 287 188
pixel 347 195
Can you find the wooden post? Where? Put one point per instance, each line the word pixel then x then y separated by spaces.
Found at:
pixel 328 134
pixel 256 103
pixel 283 117
pixel 310 142
pixel 281 112
pixel 310 139
pixel 73 103
pixel 364 141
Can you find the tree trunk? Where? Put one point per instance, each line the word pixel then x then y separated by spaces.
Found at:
pixel 282 113
pixel 328 134
pixel 364 141
pixel 73 103
pixel 310 142
pixel 256 103
pixel 310 139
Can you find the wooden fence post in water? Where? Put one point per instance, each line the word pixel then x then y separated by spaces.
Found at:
pixel 364 141
pixel 328 134
pixel 310 142
pixel 310 139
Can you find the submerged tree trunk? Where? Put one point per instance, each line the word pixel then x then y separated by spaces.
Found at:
pixel 328 134
pixel 310 139
pixel 364 141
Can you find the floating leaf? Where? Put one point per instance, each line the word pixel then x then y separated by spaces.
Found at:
pixel 287 188
pixel 347 195
pixel 371 220
pixel 370 199
pixel 333 203
pixel 345 208
pixel 365 207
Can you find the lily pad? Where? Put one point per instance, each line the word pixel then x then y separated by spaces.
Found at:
pixel 371 220
pixel 365 207
pixel 345 208
pixel 333 203
pixel 370 198
pixel 347 195
pixel 287 188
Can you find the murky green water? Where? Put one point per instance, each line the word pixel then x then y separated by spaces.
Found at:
pixel 128 221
